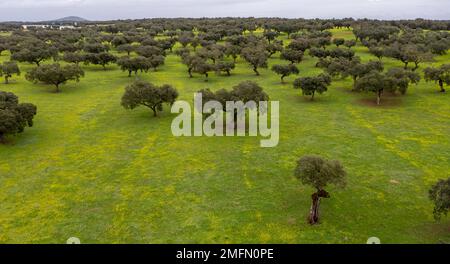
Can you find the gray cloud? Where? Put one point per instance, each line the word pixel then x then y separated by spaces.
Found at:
pixel 35 10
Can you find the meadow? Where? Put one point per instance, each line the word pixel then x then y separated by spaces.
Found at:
pixel 90 169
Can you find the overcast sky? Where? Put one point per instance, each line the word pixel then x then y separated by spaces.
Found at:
pixel 38 10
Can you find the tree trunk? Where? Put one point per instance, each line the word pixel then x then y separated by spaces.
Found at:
pixel 282 78
pixel 155 114
pixel 1 138
pixel 406 65
pixel 6 79
pixel 129 73
pixel 255 69
pixel 314 215
pixel 379 94
pixel 416 66
pixel 206 77
pixel 312 97
pixel 57 88
pixel 190 72
pixel 441 84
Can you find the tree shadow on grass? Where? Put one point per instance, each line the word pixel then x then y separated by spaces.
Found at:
pixel 387 101
pixel 436 229
pixel 318 100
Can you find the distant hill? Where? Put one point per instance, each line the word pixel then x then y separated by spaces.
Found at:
pixel 71 19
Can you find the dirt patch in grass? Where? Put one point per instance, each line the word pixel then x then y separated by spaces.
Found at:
pixel 439 230
pixel 386 102
pixel 7 141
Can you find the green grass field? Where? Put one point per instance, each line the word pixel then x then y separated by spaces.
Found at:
pixel 91 169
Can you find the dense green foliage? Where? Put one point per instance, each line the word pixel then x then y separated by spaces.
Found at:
pixel 90 169
pixel 440 195
pixel 14 117
pixel 318 173
pixel 55 74
pixel 7 69
pixel 149 95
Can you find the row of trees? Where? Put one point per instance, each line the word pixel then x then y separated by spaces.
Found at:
pixel 407 45
pixel 142 93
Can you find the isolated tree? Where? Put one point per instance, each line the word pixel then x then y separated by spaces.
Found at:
pixel 191 61
pixel 203 68
pixel 128 48
pixel 166 44
pixel 149 95
pixel 373 82
pixel 300 44
pixel 270 35
pixel 408 54
pixel 225 66
pixel 440 195
pixel 14 116
pixel 249 91
pixel 342 53
pixel 118 41
pixel 319 173
pixel 232 51
pixel 73 57
pixel 54 74
pixel 245 92
pixel 149 51
pixel 356 70
pixel 256 56
pixel 416 55
pixel 182 52
pixel 135 64
pixel 149 41
pixel 377 52
pixel 7 69
pixel 294 56
pixel 185 38
pixel 322 42
pixel 34 52
pixel 396 79
pixel 221 96
pixel 285 70
pixel 338 42
pixel 103 59
pixel 95 47
pixel 274 47
pixel 400 79
pixel 350 43
pixel 319 53
pixel 212 52
pixel 441 75
pixel 311 85
pixel 439 47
